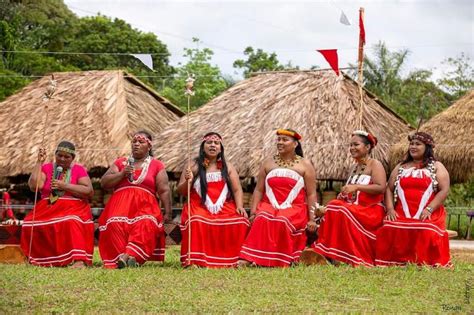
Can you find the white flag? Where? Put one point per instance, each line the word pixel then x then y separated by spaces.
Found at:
pixel 145 59
pixel 343 19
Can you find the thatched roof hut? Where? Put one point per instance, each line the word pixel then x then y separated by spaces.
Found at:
pixel 95 109
pixel 324 108
pixel 453 132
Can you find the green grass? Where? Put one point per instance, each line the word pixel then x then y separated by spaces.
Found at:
pixel 158 288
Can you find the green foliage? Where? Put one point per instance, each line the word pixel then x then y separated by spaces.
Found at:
pixel 461 195
pixel 460 79
pixel 413 96
pixel 260 61
pixel 208 79
pixel 167 288
pixel 48 25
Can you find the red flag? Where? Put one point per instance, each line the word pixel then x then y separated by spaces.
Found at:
pixel 331 57
pixel 361 26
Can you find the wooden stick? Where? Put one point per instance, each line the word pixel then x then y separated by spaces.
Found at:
pixel 47 97
pixel 360 77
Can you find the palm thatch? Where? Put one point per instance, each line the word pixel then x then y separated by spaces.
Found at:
pixel 322 107
pixel 96 110
pixel 453 131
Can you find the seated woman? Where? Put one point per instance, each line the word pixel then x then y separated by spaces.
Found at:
pixel 347 230
pixel 219 222
pixel 131 226
pixel 59 231
pixel 285 186
pixel 414 229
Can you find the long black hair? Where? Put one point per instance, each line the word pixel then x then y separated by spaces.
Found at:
pixel 202 169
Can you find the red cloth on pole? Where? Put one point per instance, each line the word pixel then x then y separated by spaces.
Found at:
pixel 331 57
pixel 361 27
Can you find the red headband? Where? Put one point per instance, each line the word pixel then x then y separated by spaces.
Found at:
pixel 212 137
pixel 372 139
pixel 140 137
pixel 423 137
pixel 287 132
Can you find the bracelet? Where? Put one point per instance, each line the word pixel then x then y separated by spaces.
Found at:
pixel 430 209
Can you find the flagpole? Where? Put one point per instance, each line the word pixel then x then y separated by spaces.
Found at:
pixel 360 76
pixel 189 92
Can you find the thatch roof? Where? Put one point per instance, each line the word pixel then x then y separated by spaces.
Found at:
pixel 96 110
pixel 318 104
pixel 453 132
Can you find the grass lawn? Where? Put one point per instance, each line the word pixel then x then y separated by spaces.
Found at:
pixel 159 288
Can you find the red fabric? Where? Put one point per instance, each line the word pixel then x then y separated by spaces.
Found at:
pixel 149 182
pixel 409 240
pixel 216 239
pixel 361 27
pixel 63 232
pixel 7 212
pixel 277 237
pixel 77 171
pixel 347 231
pixel 331 57
pixel 132 222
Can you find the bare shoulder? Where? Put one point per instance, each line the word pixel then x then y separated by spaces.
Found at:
pixel 439 166
pixel 374 163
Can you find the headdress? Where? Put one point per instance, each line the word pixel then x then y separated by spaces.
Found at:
pixel 141 137
pixel 372 139
pixel 289 132
pixel 423 137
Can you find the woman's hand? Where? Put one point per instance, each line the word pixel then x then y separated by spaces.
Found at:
pixel 241 211
pixel 252 216
pixel 57 184
pixel 349 189
pixel 128 171
pixel 391 215
pixel 311 226
pixel 425 214
pixel 41 155
pixel 188 175
pixel 167 218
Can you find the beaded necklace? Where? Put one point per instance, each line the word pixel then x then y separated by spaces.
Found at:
pixel 432 170
pixel 145 165
pixel 355 173
pixel 284 163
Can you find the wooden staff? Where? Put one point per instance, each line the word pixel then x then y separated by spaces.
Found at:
pixel 189 92
pixel 47 96
pixel 360 77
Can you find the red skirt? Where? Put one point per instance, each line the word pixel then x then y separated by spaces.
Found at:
pixel 62 232
pixel 413 241
pixel 347 232
pixel 277 237
pixel 131 224
pixel 216 239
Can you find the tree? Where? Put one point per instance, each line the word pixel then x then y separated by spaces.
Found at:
pixel 208 83
pixel 412 96
pixel 260 61
pixel 461 79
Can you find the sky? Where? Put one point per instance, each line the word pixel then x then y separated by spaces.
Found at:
pixel 431 30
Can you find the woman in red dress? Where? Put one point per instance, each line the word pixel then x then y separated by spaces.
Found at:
pixel 347 230
pixel 59 230
pixel 414 229
pixel 286 184
pixel 219 222
pixel 131 226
